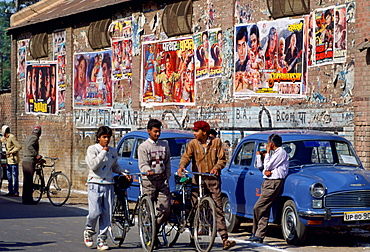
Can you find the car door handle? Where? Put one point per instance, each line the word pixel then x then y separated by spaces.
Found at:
pixel 251 173
pixel 129 162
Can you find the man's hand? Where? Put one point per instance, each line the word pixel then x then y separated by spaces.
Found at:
pixel 149 172
pixel 106 148
pixel 215 171
pixel 180 170
pixel 268 173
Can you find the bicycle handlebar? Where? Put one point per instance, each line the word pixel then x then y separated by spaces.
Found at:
pixel 199 173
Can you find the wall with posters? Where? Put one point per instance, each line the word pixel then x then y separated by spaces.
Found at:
pixel 239 70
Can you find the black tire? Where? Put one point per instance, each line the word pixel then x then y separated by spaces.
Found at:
pixel 169 233
pixel 120 221
pixel 294 231
pixel 205 225
pixel 147 223
pixel 37 186
pixel 59 189
pixel 232 221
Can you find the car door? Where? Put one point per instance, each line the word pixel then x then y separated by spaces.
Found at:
pixel 126 159
pixel 254 179
pixel 237 174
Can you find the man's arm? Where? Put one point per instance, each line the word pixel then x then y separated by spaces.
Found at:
pixel 186 158
pixel 17 147
pixel 144 162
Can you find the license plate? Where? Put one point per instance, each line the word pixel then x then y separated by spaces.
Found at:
pixel 356 216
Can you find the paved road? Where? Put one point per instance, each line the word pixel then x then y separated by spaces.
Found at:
pixel 44 227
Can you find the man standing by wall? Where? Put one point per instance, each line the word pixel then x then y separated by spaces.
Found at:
pixel 275 170
pixel 12 148
pixel 207 156
pixel 154 159
pixel 31 154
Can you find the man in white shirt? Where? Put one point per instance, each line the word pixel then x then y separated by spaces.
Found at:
pixel 275 170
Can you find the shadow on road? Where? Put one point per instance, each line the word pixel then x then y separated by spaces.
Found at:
pixel 12 208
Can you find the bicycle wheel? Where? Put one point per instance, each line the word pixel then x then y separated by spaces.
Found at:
pixel 37 186
pixel 205 224
pixel 120 221
pixel 147 223
pixel 169 233
pixel 59 189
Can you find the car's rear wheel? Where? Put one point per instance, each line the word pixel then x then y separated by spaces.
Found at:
pixel 232 221
pixel 294 231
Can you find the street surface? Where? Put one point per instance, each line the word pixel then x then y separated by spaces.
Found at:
pixel 47 228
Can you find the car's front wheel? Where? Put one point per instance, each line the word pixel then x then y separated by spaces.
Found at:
pixel 294 231
pixel 232 221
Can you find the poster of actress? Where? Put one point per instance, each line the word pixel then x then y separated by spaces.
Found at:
pixel 92 79
pixel 201 48
pixel 215 59
pixel 168 72
pixel 41 88
pixel 340 33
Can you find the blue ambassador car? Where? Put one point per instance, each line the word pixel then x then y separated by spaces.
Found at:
pixel 326 185
pixel 128 158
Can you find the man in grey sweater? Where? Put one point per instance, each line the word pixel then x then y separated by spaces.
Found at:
pixel 154 159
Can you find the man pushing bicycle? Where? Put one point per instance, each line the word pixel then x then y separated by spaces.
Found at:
pixel 207 156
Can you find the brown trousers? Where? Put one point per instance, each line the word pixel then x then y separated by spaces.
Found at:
pixel 271 189
pixel 212 187
pixel 159 193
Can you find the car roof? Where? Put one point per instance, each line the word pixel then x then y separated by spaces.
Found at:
pixel 165 133
pixel 295 135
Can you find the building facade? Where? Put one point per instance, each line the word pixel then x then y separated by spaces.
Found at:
pixel 243 66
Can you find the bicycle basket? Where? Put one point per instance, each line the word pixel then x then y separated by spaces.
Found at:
pixel 121 182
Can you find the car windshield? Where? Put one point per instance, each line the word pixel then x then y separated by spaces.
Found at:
pixel 302 153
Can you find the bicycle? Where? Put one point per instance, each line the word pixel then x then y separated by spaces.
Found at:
pixel 122 221
pixel 203 215
pixel 58 187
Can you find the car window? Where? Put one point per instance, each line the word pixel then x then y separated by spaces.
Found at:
pixel 320 152
pixel 245 154
pixel 126 147
pixel 346 155
pixel 177 145
pixel 139 141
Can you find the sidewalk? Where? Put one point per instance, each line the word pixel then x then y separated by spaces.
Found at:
pixel 77 198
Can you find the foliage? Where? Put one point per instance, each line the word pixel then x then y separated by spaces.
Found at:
pixel 5 45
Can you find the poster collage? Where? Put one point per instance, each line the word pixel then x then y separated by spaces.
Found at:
pixel 271 58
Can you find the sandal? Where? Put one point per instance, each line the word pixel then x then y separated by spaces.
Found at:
pixel 228 244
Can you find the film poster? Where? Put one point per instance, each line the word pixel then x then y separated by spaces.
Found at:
pixel 41 88
pixel 340 33
pixel 22 50
pixel 92 85
pixel 215 52
pixel 168 72
pixel 201 48
pixel 269 58
pixel 324 36
pixel 122 59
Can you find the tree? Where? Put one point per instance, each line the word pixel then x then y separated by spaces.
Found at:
pixel 5 45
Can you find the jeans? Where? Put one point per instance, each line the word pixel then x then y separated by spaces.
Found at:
pixel 12 173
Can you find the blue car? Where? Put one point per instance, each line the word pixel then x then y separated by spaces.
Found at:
pixel 327 185
pixel 128 158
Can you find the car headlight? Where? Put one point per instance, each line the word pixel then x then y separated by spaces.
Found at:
pixel 317 190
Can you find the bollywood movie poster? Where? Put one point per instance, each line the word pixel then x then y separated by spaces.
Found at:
pixel 324 36
pixel 310 39
pixel 340 34
pixel 215 51
pixel 41 88
pixel 59 43
pixel 269 58
pixel 168 72
pixel 22 50
pixel 61 81
pixel 201 48
pixel 121 28
pixel 92 85
pixel 122 59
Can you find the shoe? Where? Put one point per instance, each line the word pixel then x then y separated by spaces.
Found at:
pixel 255 239
pixel 16 195
pixel 102 244
pixel 228 244
pixel 192 243
pixel 9 194
pixel 88 238
pixel 157 244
